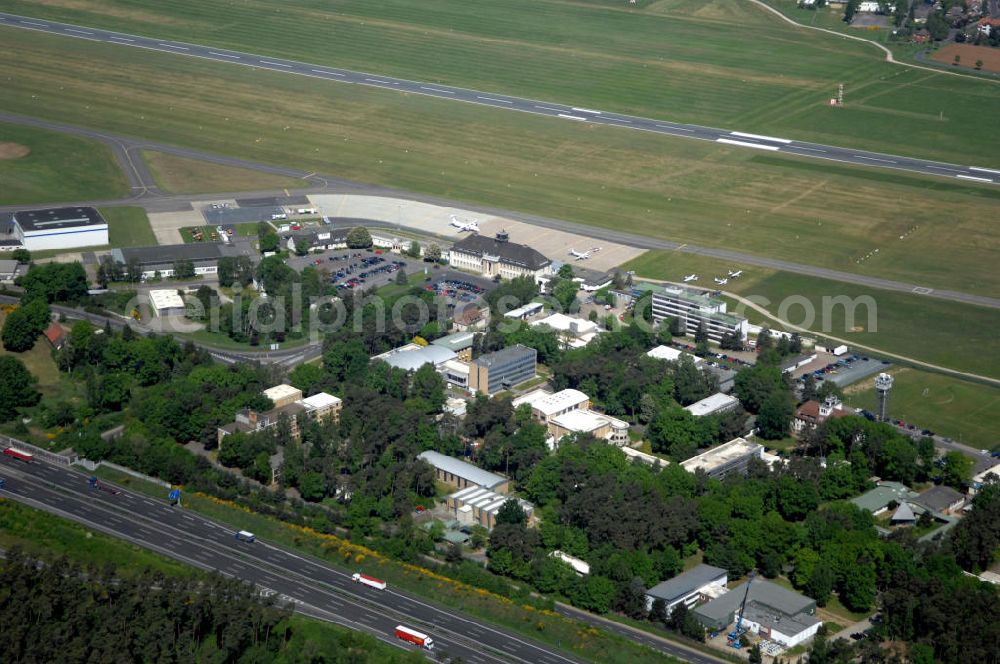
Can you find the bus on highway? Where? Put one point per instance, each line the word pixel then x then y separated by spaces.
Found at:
pixel 19 454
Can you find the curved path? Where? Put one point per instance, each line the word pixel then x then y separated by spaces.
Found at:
pixel 555 110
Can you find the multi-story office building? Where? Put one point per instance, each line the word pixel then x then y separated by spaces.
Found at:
pixel 694 309
pixel 503 369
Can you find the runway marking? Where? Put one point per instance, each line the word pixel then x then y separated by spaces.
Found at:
pixel 447 92
pixel 922 290
pixel 586 110
pixel 499 101
pixel 572 117
pixel 974 178
pixel 79 32
pixel 619 120
pixel 328 73
pixel 802 147
pixel 944 168
pixel 886 161
pixel 674 128
pixel 759 137
pixel 984 170
pixel 375 80
pixel 275 64
pixel 744 144
pixel 546 108
pixel 224 55
pixel 42 25
pixel 123 39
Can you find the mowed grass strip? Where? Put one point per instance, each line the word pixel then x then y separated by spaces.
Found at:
pixel 953 335
pixel 128 227
pixel 964 411
pixel 664 187
pixel 721 62
pixel 179 175
pixel 41 166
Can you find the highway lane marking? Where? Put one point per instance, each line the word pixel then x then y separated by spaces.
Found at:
pixel 79 32
pixel 984 170
pixel 974 178
pixel 886 161
pixel 586 110
pixel 224 55
pixel 759 137
pixel 189 518
pixel 123 39
pixel 447 92
pixel 572 117
pixel 328 73
pixel 274 64
pixel 802 147
pixel 744 144
pixel 180 48
pixel 546 108
pixel 662 126
pixel 499 101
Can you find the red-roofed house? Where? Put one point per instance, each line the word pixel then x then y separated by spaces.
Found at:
pixel 988 25
pixel 813 413
pixel 56 334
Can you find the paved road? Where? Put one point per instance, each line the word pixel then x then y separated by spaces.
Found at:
pixel 316 588
pixel 508 102
pixel 154 200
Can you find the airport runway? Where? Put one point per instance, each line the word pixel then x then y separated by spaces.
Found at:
pixel 563 112
pixel 315 588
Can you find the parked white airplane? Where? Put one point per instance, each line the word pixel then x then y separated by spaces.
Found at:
pixel 736 274
pixel 583 255
pixel 691 277
pixel 465 226
pixel 721 282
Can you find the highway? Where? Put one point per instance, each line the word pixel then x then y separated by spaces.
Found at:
pixel 567 113
pixel 316 589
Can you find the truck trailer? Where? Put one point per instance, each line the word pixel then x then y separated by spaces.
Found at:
pixel 414 637
pixel 370 581
pixel 19 454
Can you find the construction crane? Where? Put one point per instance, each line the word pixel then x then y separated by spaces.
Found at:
pixel 736 636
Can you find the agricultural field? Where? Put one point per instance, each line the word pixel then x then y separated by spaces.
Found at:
pixel 966 412
pixel 688 191
pixel 720 63
pixel 914 326
pixel 40 166
pixel 179 175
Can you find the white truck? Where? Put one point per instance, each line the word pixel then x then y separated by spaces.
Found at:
pixel 370 581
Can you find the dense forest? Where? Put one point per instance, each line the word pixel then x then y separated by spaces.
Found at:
pixel 66 612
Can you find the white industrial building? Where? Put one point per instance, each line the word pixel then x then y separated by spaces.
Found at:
pixel 670 354
pixel 60 228
pixel 476 505
pixel 689 588
pixel 714 404
pixel 726 458
pixel 166 301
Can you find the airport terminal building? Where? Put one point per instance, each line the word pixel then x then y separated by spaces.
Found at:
pixel 498 256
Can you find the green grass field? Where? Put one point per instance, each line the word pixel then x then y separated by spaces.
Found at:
pixel 954 335
pixel 56 168
pixel 128 227
pixel 39 362
pixel 689 191
pixel 715 62
pixel 967 412
pixel 179 175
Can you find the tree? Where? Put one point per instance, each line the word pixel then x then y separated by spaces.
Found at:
pixel 755 385
pixel 432 253
pixel 957 469
pixel 22 256
pixel 775 417
pixel 658 611
pixel 17 387
pixel 755 656
pixel 183 268
pixel 701 334
pixel 269 242
pixel 359 238
pixel 979 64
pixel 511 512
pixel 808 388
pixel 566 271
pixel 55 282
pixel 857 591
pixel 820 584
pixel 413 250
pixel 24 324
pixel 401 278
pixel 957 61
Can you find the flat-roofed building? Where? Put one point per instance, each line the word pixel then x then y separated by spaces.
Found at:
pixel 689 588
pixel 670 354
pixel 283 395
pixel 545 405
pixel 599 425
pixel 731 457
pixel 694 308
pixel 166 301
pixel 526 311
pixel 412 358
pixel 459 343
pixel 476 505
pixel 462 474
pixel 162 259
pixel 290 405
pixel 9 270
pixel 503 369
pixel 772 612
pixel 714 404
pixel 322 406
pixel 455 372
pixel 60 228
pixel 573 332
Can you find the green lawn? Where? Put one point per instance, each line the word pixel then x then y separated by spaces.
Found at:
pixel 682 190
pixel 957 336
pixel 128 227
pixel 39 362
pixel 967 412
pixel 714 62
pixel 179 175
pixel 55 168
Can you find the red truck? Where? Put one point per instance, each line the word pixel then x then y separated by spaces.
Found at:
pixel 19 454
pixel 414 637
pixel 370 581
